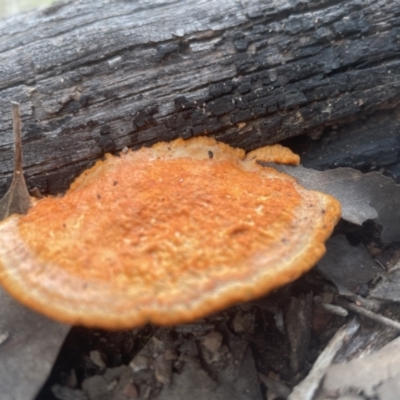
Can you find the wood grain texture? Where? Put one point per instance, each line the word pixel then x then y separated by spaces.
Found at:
pixel 94 76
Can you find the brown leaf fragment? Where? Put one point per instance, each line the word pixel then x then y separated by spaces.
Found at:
pixel 16 200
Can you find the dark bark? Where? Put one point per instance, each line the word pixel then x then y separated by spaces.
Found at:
pixel 95 76
pixel 369 144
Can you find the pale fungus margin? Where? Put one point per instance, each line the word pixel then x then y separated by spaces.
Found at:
pixel 165 235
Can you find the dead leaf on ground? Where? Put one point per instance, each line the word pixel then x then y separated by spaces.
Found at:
pixel 347 265
pixel 363 196
pixel 29 344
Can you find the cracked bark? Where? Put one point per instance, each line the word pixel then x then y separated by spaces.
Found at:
pixel 95 76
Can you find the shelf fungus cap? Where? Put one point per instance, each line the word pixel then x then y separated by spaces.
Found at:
pixel 165 235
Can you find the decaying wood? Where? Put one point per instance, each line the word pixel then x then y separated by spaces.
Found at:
pixel 95 76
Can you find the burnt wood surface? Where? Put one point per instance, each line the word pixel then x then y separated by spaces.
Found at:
pixel 94 76
pixel 371 143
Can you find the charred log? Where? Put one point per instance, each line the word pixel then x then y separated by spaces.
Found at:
pixel 96 76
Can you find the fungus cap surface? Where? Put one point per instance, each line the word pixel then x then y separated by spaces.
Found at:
pixel 166 235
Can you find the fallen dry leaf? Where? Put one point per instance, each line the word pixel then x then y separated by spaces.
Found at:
pixel 347 265
pixel 362 196
pixel 29 344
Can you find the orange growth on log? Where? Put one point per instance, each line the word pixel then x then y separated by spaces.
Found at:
pixel 165 235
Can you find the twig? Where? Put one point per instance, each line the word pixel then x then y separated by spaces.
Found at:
pixel 371 315
pixel 371 305
pixel 334 309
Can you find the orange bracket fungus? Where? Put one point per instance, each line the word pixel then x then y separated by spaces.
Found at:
pixel 165 234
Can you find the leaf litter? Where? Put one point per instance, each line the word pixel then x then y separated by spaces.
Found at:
pixel 363 196
pixel 24 335
pixel 376 374
pixel 350 266
pixel 29 346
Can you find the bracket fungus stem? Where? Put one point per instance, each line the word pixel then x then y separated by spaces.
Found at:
pixel 17 199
